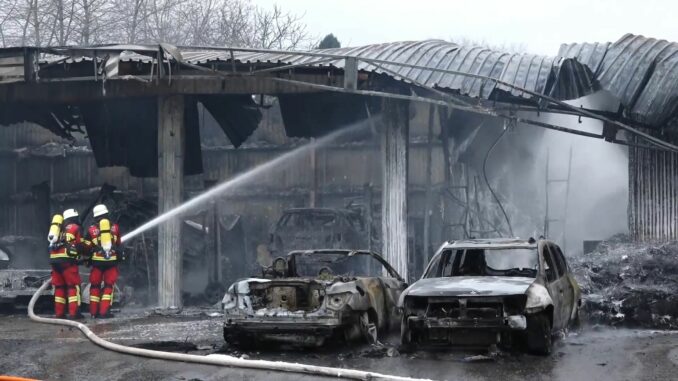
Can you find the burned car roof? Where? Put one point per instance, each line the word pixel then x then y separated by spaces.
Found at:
pixel 504 243
pixel 334 251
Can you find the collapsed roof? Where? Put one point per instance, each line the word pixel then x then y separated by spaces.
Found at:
pixel 641 72
pixel 111 89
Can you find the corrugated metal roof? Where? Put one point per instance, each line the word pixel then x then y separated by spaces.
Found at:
pixel 535 73
pixel 531 72
pixel 639 71
pixel 562 78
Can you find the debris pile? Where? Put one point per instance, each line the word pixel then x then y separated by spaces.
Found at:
pixel 630 284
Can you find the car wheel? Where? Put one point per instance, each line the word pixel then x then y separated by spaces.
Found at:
pixel 576 322
pixel 405 335
pixel 368 328
pixel 539 339
pixel 239 341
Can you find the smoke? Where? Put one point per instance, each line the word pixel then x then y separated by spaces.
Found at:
pixel 595 205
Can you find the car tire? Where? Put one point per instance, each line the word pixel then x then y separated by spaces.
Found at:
pixel 405 335
pixel 576 321
pixel 239 341
pixel 539 338
pixel 368 328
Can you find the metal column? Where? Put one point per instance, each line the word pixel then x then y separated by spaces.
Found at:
pixel 428 202
pixel 394 150
pixel 171 146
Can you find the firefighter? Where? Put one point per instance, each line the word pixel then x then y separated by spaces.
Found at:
pixel 64 252
pixel 103 241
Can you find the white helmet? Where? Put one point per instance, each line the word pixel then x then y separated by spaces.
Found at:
pixel 70 213
pixel 99 210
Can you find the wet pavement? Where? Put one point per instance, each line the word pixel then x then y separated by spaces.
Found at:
pixel 59 353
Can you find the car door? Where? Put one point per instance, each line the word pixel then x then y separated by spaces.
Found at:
pixel 393 285
pixel 554 286
pixel 567 288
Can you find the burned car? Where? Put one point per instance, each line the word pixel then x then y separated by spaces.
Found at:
pixel 314 295
pixel 491 291
pixel 18 286
pixel 310 228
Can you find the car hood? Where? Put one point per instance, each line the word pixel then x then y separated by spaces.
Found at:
pixel 470 286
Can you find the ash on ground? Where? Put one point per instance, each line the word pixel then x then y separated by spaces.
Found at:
pixel 630 284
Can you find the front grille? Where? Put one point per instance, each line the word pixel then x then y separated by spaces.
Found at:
pixel 443 309
pixel 465 308
pixel 484 309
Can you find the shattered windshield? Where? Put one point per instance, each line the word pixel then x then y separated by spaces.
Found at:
pixel 341 264
pixel 485 262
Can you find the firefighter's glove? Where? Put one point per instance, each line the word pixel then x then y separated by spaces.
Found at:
pixel 72 252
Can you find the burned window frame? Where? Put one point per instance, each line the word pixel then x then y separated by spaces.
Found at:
pixel 552 263
pixel 439 263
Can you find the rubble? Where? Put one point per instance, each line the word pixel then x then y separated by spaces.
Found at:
pixel 630 284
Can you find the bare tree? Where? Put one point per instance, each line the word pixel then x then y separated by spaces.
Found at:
pixel 8 13
pixel 234 24
pixel 277 29
pixel 181 22
pixel 63 21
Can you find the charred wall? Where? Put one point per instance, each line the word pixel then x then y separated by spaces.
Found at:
pixel 30 155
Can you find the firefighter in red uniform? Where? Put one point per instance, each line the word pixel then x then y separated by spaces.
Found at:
pixel 103 241
pixel 64 252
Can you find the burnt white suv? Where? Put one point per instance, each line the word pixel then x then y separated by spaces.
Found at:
pixel 491 291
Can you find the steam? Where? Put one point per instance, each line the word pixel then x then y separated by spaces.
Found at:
pixel 598 194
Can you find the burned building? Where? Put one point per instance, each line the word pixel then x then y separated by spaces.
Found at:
pixel 192 117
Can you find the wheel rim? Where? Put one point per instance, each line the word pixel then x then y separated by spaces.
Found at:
pixel 368 329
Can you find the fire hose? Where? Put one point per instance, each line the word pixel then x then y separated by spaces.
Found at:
pixel 221 360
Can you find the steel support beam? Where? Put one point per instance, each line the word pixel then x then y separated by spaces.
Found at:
pixel 55 90
pixel 394 150
pixel 171 146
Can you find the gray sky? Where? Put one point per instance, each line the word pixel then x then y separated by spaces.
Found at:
pixel 537 26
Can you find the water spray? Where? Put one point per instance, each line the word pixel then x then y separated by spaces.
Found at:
pixel 243 178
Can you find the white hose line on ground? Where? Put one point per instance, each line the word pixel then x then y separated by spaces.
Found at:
pixel 222 360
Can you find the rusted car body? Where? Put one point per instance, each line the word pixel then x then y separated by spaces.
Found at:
pixel 314 295
pixel 491 291
pixel 310 228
